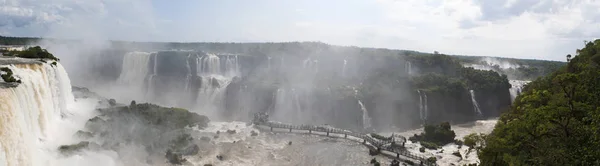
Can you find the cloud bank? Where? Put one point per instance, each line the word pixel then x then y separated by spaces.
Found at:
pixel 541 29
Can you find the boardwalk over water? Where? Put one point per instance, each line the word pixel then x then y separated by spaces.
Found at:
pixel 387 145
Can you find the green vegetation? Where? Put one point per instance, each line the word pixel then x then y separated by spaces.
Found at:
pixel 475 141
pixel 5 40
pixel 8 75
pixel 555 121
pixel 435 136
pixel 380 137
pixel 33 52
pixel 448 84
pixel 172 118
pixel 432 159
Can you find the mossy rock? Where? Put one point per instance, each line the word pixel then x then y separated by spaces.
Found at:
pixel 205 139
pixel 380 137
pixel 422 149
pixel 432 159
pixel 253 133
pixel 457 154
pixel 174 158
pixel 429 145
pixel 84 134
pixel 231 131
pixel 74 148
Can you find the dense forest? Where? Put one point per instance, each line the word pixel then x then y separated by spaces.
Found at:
pixel 555 121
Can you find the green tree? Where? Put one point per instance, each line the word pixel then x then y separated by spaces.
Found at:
pixel 555 121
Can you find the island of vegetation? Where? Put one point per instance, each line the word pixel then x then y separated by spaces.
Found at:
pixel 555 121
pixel 35 52
pixel 7 75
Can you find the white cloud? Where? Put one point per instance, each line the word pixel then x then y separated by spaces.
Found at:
pixel 546 29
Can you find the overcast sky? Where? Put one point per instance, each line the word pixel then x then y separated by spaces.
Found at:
pixel 539 29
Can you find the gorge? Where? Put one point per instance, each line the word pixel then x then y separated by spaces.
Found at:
pixel 359 89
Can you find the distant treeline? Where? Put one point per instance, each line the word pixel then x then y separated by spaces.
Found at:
pixel 5 40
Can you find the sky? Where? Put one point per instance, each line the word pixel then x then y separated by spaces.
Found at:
pixel 533 29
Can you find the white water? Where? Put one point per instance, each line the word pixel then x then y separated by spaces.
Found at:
pixel 211 64
pixel 423 107
pixel 28 111
pixel 516 87
pixel 446 157
pixel 134 71
pixel 408 67
pixel 214 82
pixel 273 150
pixel 475 104
pixel 365 117
pixel 344 68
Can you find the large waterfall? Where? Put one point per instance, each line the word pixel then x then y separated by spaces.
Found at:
pixel 134 71
pixel 423 107
pixel 475 104
pixel 213 81
pixel 135 68
pixel 27 111
pixel 365 116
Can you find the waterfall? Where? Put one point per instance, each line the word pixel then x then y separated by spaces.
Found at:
pixel 188 77
pixel 211 64
pixel 365 117
pixel 231 66
pixel 134 70
pixel 344 68
pixel 269 62
pixel 475 104
pixel 27 111
pixel 213 82
pixel 150 84
pixel 423 105
pixel 516 87
pixel 408 67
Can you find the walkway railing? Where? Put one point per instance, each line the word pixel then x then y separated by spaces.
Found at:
pixel 385 145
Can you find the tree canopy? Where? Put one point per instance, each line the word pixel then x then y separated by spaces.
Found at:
pixel 555 121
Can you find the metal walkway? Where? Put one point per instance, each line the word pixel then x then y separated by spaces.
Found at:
pixel 381 145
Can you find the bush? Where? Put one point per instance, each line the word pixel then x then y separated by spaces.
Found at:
pixel 429 145
pixel 437 135
pixel 34 52
pixel 380 137
pixel 432 159
pixel 8 75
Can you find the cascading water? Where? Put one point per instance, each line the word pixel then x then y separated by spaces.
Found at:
pixel 231 66
pixel 213 82
pixel 150 88
pixel 408 67
pixel 516 87
pixel 365 117
pixel 423 107
pixel 134 71
pixel 27 111
pixel 269 62
pixel 188 77
pixel 344 68
pixel 475 104
pixel 211 64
